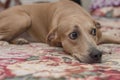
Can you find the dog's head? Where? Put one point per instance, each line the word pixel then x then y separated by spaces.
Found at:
pixel 78 39
pixel 78 34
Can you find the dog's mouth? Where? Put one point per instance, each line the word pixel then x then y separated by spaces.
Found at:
pixel 87 60
pixel 77 59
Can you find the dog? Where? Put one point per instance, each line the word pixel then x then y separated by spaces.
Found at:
pixel 61 24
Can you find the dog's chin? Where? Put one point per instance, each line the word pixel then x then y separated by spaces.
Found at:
pixel 87 60
pixel 91 61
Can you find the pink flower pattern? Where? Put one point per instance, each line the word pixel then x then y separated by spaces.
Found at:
pixel 40 61
pixel 104 3
pixel 106 8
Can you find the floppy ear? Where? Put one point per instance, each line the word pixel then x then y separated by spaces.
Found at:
pixel 53 38
pixel 98 25
pixel 99 33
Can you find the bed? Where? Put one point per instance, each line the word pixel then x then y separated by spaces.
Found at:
pixel 39 61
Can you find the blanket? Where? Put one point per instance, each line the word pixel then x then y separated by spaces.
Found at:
pixel 39 61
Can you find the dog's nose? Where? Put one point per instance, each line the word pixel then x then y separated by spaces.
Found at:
pixel 96 54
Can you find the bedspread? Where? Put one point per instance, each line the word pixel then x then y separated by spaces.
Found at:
pixel 38 61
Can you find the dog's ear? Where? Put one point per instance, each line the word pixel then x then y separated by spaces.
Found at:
pixel 53 39
pixel 99 33
pixel 98 25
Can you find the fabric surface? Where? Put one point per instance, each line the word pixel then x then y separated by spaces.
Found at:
pixel 106 8
pixel 104 3
pixel 38 61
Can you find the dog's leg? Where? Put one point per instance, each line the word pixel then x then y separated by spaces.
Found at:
pixel 109 39
pixel 13 22
pixel 4 43
pixel 20 41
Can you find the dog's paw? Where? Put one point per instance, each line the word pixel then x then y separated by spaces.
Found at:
pixel 20 41
pixel 4 43
pixel 105 50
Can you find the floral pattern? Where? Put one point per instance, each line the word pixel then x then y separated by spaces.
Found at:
pixel 106 8
pixel 104 3
pixel 38 61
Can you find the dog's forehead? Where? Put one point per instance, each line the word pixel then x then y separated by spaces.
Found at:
pixel 80 24
pixel 88 25
pixel 76 27
pixel 84 25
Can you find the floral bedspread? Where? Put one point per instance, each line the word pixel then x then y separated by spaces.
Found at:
pixel 38 61
pixel 106 8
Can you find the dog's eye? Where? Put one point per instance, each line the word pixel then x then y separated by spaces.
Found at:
pixel 73 35
pixel 93 32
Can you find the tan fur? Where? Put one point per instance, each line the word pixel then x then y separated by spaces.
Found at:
pixel 52 23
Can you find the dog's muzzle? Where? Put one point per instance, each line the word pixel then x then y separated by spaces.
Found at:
pixel 95 55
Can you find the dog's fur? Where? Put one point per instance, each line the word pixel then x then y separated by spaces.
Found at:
pixel 53 23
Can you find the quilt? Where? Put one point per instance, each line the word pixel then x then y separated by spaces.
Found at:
pixel 39 61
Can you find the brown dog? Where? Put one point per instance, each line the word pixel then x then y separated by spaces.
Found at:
pixel 62 23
